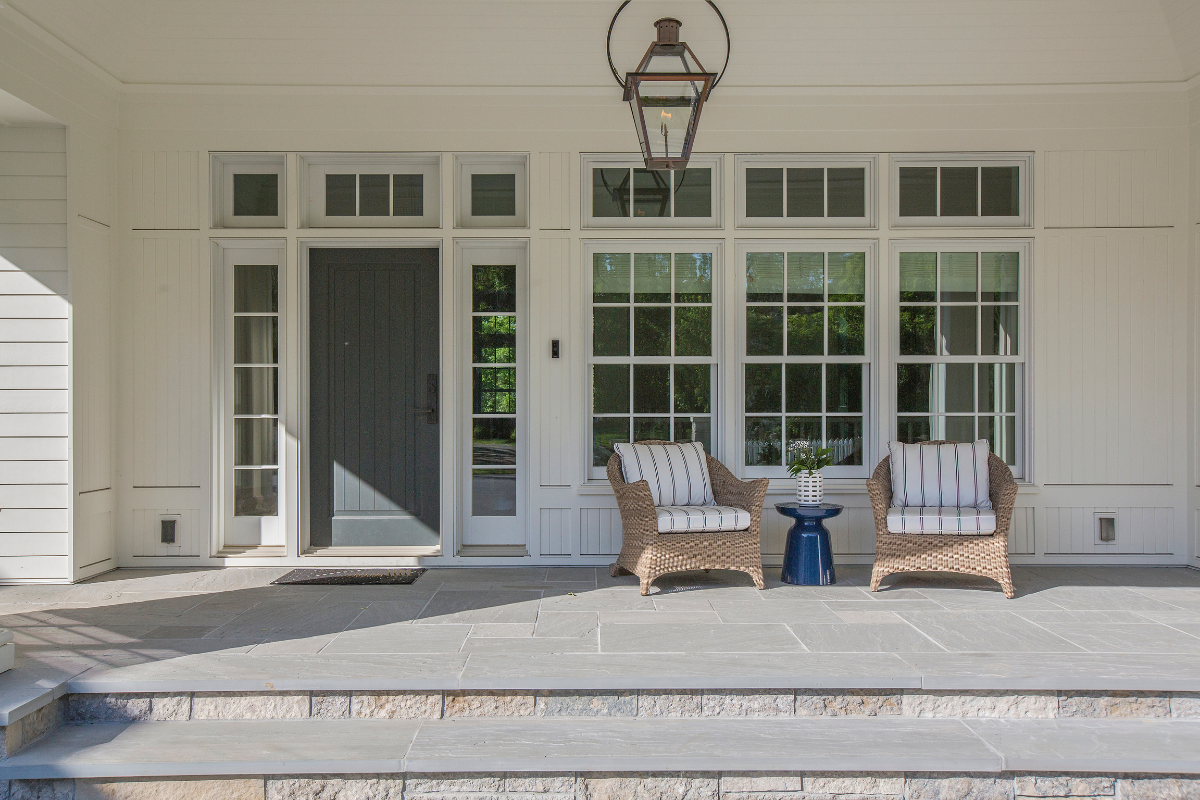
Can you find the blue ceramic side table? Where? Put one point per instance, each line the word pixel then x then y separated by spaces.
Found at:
pixel 808 557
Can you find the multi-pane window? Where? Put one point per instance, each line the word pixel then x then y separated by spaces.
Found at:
pixel 652 365
pixel 806 191
pixel 805 371
pixel 624 194
pixel 255 390
pixel 960 368
pixel 247 190
pixel 384 190
pixel 964 191
pixel 492 191
pixel 372 195
pixel 494 390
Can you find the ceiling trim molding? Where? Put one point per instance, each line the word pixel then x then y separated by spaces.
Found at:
pixel 61 48
pixel 133 91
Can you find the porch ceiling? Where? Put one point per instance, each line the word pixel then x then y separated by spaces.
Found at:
pixel 560 43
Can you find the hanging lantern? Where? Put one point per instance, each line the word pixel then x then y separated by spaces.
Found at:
pixel 666 94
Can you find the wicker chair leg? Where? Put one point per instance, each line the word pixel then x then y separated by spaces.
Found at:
pixel 1005 581
pixel 646 586
pixel 757 575
pixel 877 576
pixel 616 570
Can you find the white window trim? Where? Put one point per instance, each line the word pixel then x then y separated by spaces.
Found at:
pixel 487 531
pixel 314 167
pixel 468 164
pixel 223 167
pixel 1023 161
pixel 598 475
pixel 784 160
pixel 592 161
pixel 233 535
pixel 1022 470
pixel 870 358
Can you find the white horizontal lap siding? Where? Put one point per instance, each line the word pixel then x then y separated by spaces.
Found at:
pixel 34 353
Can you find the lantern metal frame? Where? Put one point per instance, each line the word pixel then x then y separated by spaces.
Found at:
pixel 667 45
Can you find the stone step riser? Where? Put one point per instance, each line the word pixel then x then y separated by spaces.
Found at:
pixel 597 786
pixel 82 708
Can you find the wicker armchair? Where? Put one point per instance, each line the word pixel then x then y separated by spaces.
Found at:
pixel 986 555
pixel 648 554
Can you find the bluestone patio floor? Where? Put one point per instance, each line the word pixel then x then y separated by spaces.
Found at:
pixel 577 628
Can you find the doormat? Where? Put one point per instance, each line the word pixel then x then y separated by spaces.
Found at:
pixel 355 577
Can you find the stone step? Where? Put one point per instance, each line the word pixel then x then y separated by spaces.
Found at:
pixel 494 746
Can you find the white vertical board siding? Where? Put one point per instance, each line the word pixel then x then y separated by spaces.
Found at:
pixel 1107 349
pixel 164 191
pixel 146 535
pixel 34 354
pixel 1108 188
pixel 165 312
pixel 599 532
pixel 551 378
pixel 93 397
pixel 1141 531
pixel 555 529
pixel 552 191
pixel 1022 532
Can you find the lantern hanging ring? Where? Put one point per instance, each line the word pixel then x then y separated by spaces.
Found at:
pixel 612 24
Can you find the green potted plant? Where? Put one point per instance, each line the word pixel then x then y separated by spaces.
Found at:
pixel 807 461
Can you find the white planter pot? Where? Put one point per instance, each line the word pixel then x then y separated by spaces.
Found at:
pixel 810 488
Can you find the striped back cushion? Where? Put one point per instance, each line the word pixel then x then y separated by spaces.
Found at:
pixel 953 475
pixel 677 473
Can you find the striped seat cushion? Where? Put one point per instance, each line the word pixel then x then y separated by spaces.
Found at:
pixel 697 519
pixel 931 519
pixel 946 475
pixel 677 473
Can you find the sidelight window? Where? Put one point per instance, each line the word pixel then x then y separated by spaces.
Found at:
pixel 250 335
pixel 494 390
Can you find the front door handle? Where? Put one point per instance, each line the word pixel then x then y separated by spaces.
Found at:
pixel 431 387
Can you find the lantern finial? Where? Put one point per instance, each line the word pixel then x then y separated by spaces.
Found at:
pixel 668 30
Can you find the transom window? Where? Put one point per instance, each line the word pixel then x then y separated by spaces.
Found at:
pixel 961 357
pixel 622 193
pixel 492 190
pixel 248 190
pixel 970 190
pixel 778 191
pixel 383 190
pixel 806 365
pixel 652 365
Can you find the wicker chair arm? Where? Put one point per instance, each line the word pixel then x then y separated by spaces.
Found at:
pixel 879 488
pixel 729 491
pixel 1002 490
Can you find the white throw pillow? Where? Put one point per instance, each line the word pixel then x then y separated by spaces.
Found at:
pixel 677 473
pixel 953 475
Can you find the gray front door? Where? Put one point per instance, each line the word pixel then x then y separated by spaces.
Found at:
pixel 374 383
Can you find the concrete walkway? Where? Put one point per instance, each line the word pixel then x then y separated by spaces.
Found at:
pixel 510 628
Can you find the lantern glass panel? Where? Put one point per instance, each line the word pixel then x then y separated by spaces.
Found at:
pixel 666 109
